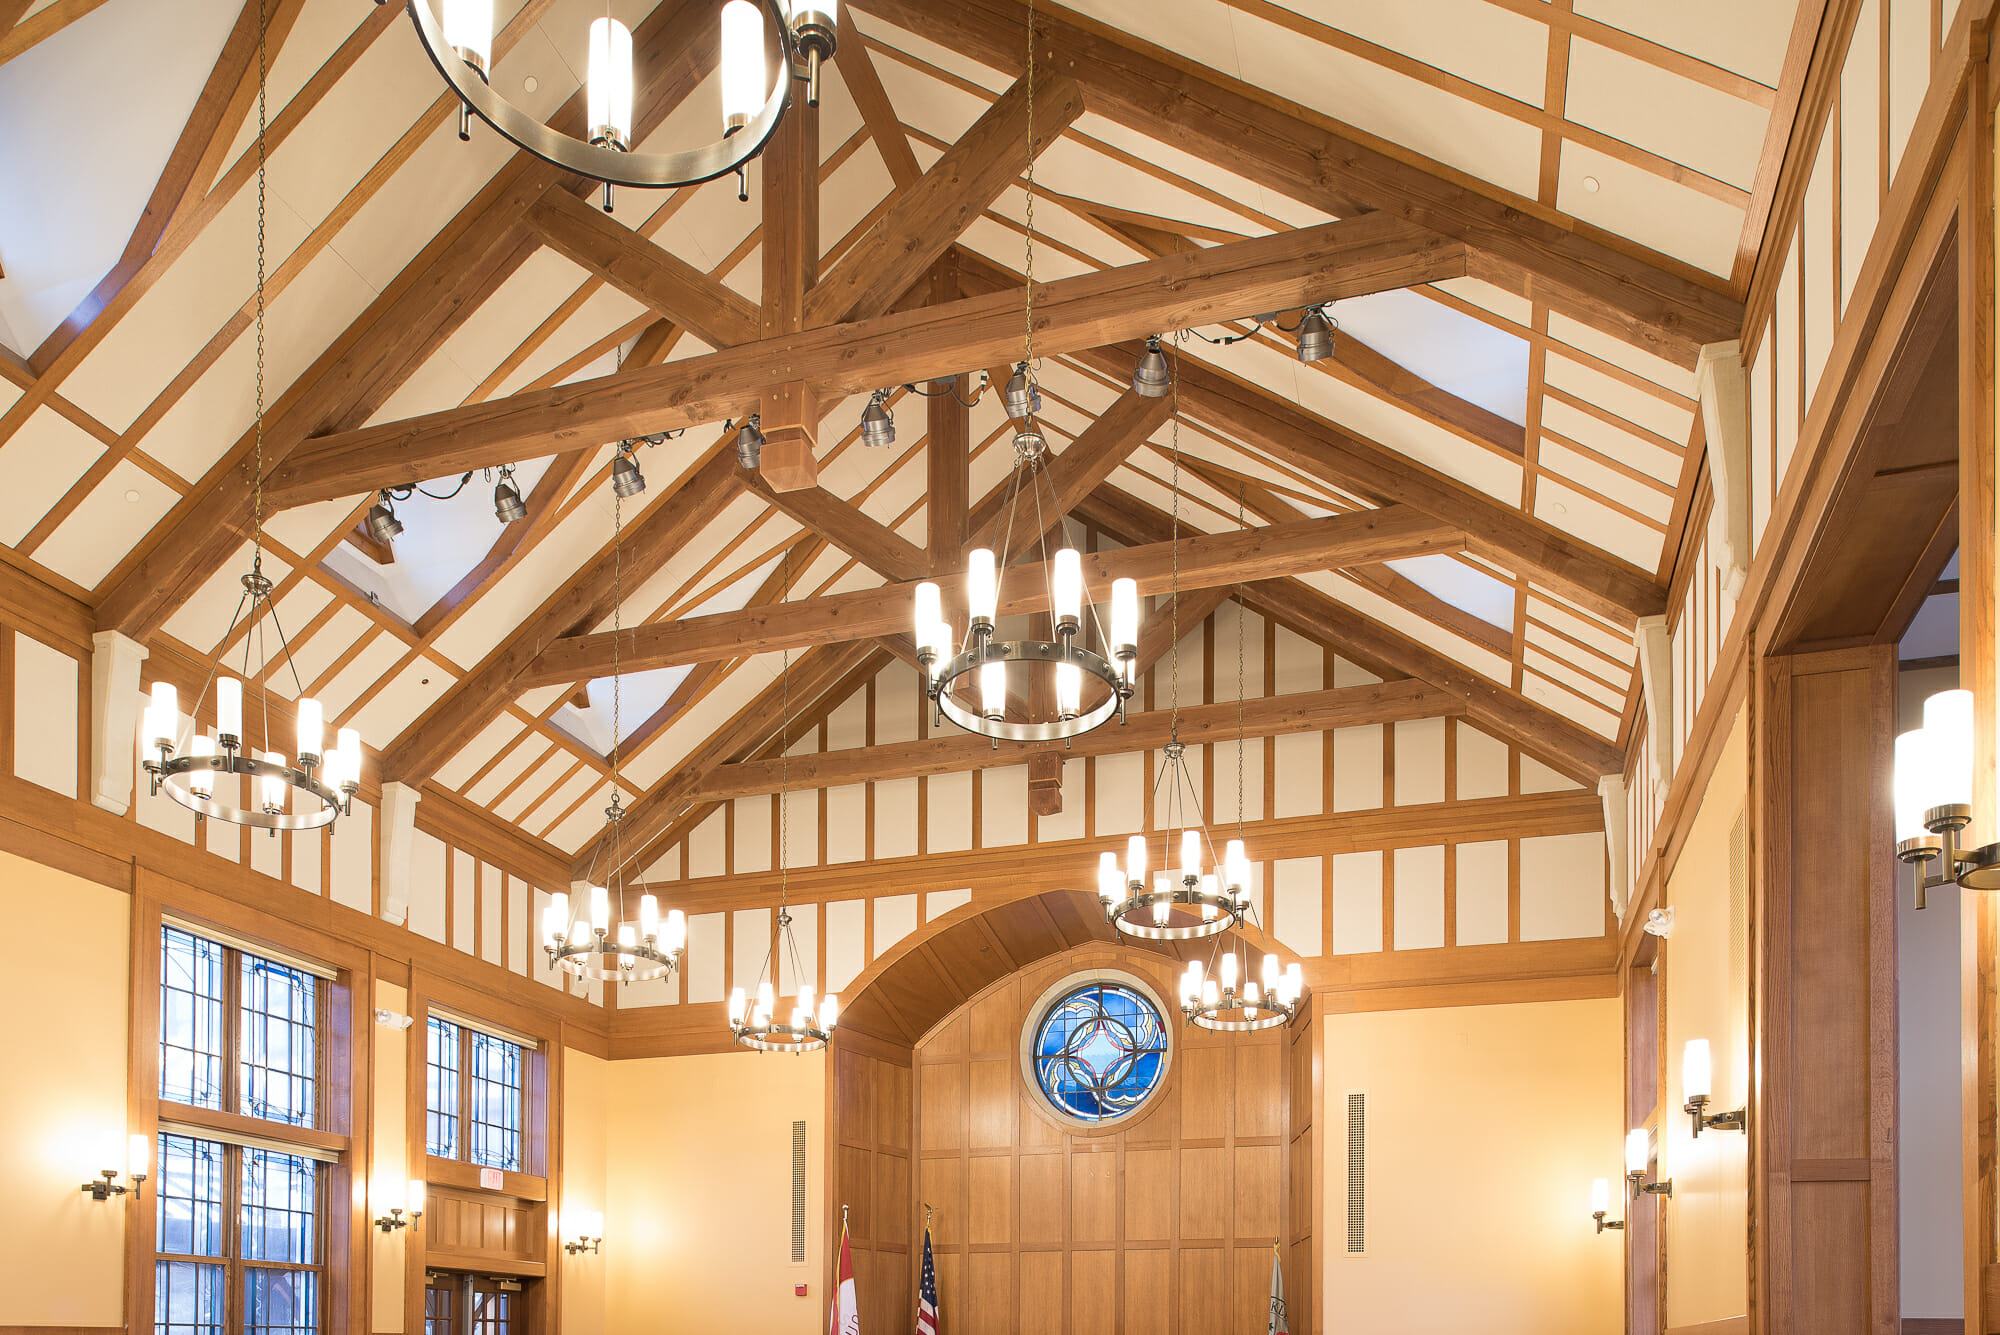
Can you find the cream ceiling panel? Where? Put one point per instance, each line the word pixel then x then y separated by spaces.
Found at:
pixel 1475 39
pixel 1623 355
pixel 418 202
pixel 118 512
pixel 1561 671
pixel 505 604
pixel 1747 36
pixel 585 823
pixel 1649 209
pixel 1515 309
pixel 1567 419
pixel 602 312
pixel 1571 621
pixel 47 456
pixel 845 198
pixel 511 765
pixel 511 314
pixel 928 51
pixel 1595 523
pixel 1711 131
pixel 1659 416
pixel 312 657
pixel 1215 178
pixel 556 804
pixel 376 658
pixel 535 784
pixel 1570 705
pixel 418 686
pixel 470 758
pixel 1419 628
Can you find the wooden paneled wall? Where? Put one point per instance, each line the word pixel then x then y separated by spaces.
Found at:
pixel 1162 1223
pixel 872 1118
pixel 1823 1114
pixel 1306 1172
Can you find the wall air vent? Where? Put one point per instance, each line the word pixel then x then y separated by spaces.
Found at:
pixel 1357 1174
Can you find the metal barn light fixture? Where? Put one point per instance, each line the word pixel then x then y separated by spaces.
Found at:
pixel 1090 685
pixel 1934 799
pixel 209 774
pixel 753 1016
pixel 581 937
pixel 508 507
pixel 461 46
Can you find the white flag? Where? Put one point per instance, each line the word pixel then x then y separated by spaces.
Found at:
pixel 1278 1324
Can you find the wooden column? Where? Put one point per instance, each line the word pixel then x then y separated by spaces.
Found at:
pixel 790 409
pixel 1823 1107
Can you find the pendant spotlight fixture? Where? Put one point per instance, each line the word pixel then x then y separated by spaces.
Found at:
pixel 579 937
pixel 951 663
pixel 1227 998
pixel 878 424
pixel 383 526
pixel 461 46
pixel 750 442
pixel 626 479
pixel 320 788
pixel 1151 378
pixel 753 1015
pixel 1315 335
pixel 508 507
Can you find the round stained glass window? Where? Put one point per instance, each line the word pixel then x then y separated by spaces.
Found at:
pixel 1099 1050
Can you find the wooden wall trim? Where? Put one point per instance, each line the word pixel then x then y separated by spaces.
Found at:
pixel 1729 1325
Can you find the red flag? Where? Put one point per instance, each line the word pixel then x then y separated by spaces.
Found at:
pixel 846 1316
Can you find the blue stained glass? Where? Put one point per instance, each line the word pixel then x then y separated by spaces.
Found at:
pixel 1100 1052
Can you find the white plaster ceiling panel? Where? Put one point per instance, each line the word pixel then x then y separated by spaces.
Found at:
pixel 1517 310
pixel 717 222
pixel 420 684
pixel 930 52
pixel 640 696
pixel 538 701
pixel 510 766
pixel 1004 245
pixel 668 586
pixel 1422 629
pixel 506 602
pixel 1589 660
pixel 1187 27
pixel 1574 622
pixel 418 201
pixel 1596 523
pixel 1747 36
pixel 438 384
pixel 1675 379
pixel 298 605
pixel 1570 705
pixel 1651 210
pixel 530 294
pixel 472 757
pixel 927 101
pixel 366 668
pixel 1474 39
pixel 1627 447
pixel 182 311
pixel 1213 178
pixel 322 27
pixel 1654 412
pixel 1377 419
pixel 1562 671
pixel 583 824
pixel 1405 111
pixel 558 802
pixel 535 784
pixel 65 227
pixel 39 464
pixel 1058 226
pixel 854 189
pixel 673 743
pixel 898 489
pixel 1073 167
pixel 120 510
pixel 605 310
pixel 1715 133
pixel 312 654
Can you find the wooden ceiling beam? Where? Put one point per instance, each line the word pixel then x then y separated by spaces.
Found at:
pixel 1203 560
pixel 1277 272
pixel 649 274
pixel 789 245
pixel 1080 469
pixel 864 84
pixel 821 512
pixel 433 296
pixel 1632 294
pixel 947 471
pixel 457 716
pixel 1569 747
pixel 933 213
pixel 30 32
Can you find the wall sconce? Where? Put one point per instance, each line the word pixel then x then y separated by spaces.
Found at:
pixel 1600 1205
pixel 1934 799
pixel 413 1201
pixel 1638 1155
pixel 138 1158
pixel 590 1238
pixel 1696 1079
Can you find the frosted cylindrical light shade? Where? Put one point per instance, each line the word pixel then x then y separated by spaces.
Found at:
pixel 1295 981
pixel 1135 859
pixel 737 1004
pixel 201 781
pixel 138 1155
pixel 552 926
pixel 1211 995
pixel 1697 1072
pixel 274 790
pixel 1162 910
pixel 600 909
pixel 742 63
pixel 1110 880
pixel 163 716
pixel 767 997
pixel 1600 1197
pixel 349 741
pixel 930 600
pixel 1190 853
pixel 1066 579
pixel 1271 973
pixel 1252 994
pixel 677 931
pixel 993 690
pixel 829 1012
pixel 594 1221
pixel 1913 783
pixel 1124 616
pixel 312 727
pixel 413 1200
pixel 228 707
pixel 468 27
pixel 627 937
pixel 1069 690
pixel 1211 891
pixel 1948 730
pixel 649 917
pixel 801 1017
pixel 156 729
pixel 610 94
pixel 1227 970
pixel 1638 1150
pixel 982 584
pixel 941 636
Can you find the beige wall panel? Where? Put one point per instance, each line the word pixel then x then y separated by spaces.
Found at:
pixel 45 716
pixel 1481 893
pixel 895 918
pixel 1300 779
pixel 587 1119
pixel 753 834
pixel 895 818
pixel 706 854
pixel 1419 898
pixel 1119 790
pixel 847 823
pixel 1562 886
pixel 1298 899
pixel 1301 664
pixel 705 957
pixel 352 854
pixel 1420 762
pixel 1357 768
pixel 1003 806
pixel 1790 358
pixel 846 941
pixel 1482 764
pixel 948 813
pixel 427 861
pixel 1356 903
pixel 1860 144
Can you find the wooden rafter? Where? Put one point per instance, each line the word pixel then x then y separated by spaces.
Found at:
pixel 1643 299
pixel 16 38
pixel 845 527
pixel 1343 259
pixel 857 71
pixel 1204 560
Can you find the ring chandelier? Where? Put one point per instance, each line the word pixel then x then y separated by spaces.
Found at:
pixel 461 46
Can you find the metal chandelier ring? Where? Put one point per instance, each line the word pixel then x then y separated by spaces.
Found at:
pixel 1028 651
pixel 1125 915
pixel 165 772
pixel 643 171
pixel 781 1038
pixel 573 961
pixel 1207 1017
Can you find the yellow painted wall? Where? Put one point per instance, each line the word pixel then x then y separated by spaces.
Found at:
pixel 698 1216
pixel 389 1150
pixel 586 1121
pixel 62 1119
pixel 1485 1127
pixel 1707 1217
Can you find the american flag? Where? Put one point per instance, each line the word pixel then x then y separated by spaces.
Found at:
pixel 845 1318
pixel 927 1307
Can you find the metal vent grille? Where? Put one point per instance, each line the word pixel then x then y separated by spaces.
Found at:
pixel 798 1193
pixel 1357 1174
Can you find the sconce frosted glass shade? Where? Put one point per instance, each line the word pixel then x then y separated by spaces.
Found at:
pixel 1915 779
pixel 1600 1197
pixel 1697 1069
pixel 1638 1150
pixel 1948 730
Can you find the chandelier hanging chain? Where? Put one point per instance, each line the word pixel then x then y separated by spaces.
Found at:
pixel 1029 304
pixel 1175 545
pixel 1241 616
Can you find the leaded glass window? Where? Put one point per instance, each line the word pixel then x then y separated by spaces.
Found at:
pixel 472 1093
pixel 441 1089
pixel 280 1047
pixel 237 1237
pixel 192 982
pixel 1100 1051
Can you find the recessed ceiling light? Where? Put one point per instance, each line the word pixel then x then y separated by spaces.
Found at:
pixel 132 496
pixel 1590 185
pixel 1558 508
pixel 530 84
